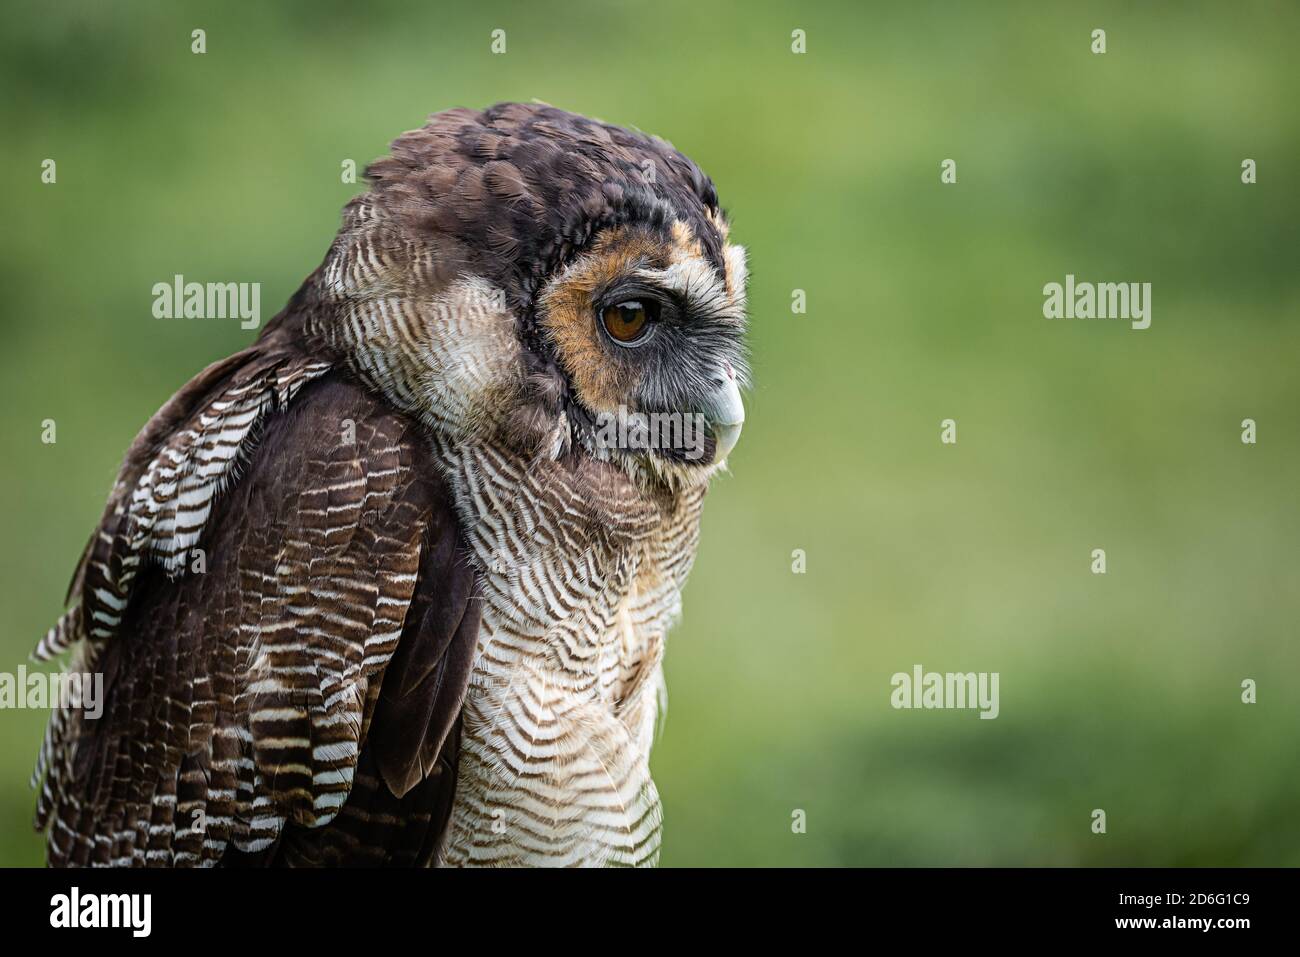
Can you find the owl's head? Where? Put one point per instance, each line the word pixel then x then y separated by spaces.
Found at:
pixel 553 284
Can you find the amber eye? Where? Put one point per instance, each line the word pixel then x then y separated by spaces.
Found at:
pixel 627 322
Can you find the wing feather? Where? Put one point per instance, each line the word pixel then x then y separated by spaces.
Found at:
pixel 244 720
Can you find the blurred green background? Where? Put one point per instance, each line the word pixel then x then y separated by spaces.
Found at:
pixel 1119 692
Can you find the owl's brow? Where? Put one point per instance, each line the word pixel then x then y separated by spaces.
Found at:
pixel 697 284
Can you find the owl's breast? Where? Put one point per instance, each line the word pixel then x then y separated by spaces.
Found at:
pixel 561 709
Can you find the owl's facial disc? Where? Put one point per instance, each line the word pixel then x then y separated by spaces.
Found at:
pixel 650 335
pixel 630 315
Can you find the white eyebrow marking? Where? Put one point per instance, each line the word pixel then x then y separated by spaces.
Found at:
pixel 695 280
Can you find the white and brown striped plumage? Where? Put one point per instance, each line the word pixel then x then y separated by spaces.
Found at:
pixel 427 618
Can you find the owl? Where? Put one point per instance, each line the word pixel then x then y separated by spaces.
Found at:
pixel 391 586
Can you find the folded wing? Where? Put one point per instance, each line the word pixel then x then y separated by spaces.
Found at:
pixel 285 621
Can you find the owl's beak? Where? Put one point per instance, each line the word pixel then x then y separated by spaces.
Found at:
pixel 725 413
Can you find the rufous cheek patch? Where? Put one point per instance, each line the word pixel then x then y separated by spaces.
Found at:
pixel 569 316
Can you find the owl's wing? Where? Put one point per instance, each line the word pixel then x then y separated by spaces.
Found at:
pixel 284 621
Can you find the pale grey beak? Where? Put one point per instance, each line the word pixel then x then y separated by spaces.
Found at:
pixel 725 413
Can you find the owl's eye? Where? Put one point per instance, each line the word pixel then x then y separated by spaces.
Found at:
pixel 628 322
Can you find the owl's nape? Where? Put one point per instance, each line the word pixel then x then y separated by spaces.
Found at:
pixel 421 556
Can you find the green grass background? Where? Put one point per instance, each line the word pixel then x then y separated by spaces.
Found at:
pixel 924 302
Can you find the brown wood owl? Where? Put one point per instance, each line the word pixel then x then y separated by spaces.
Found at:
pixel 391 586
